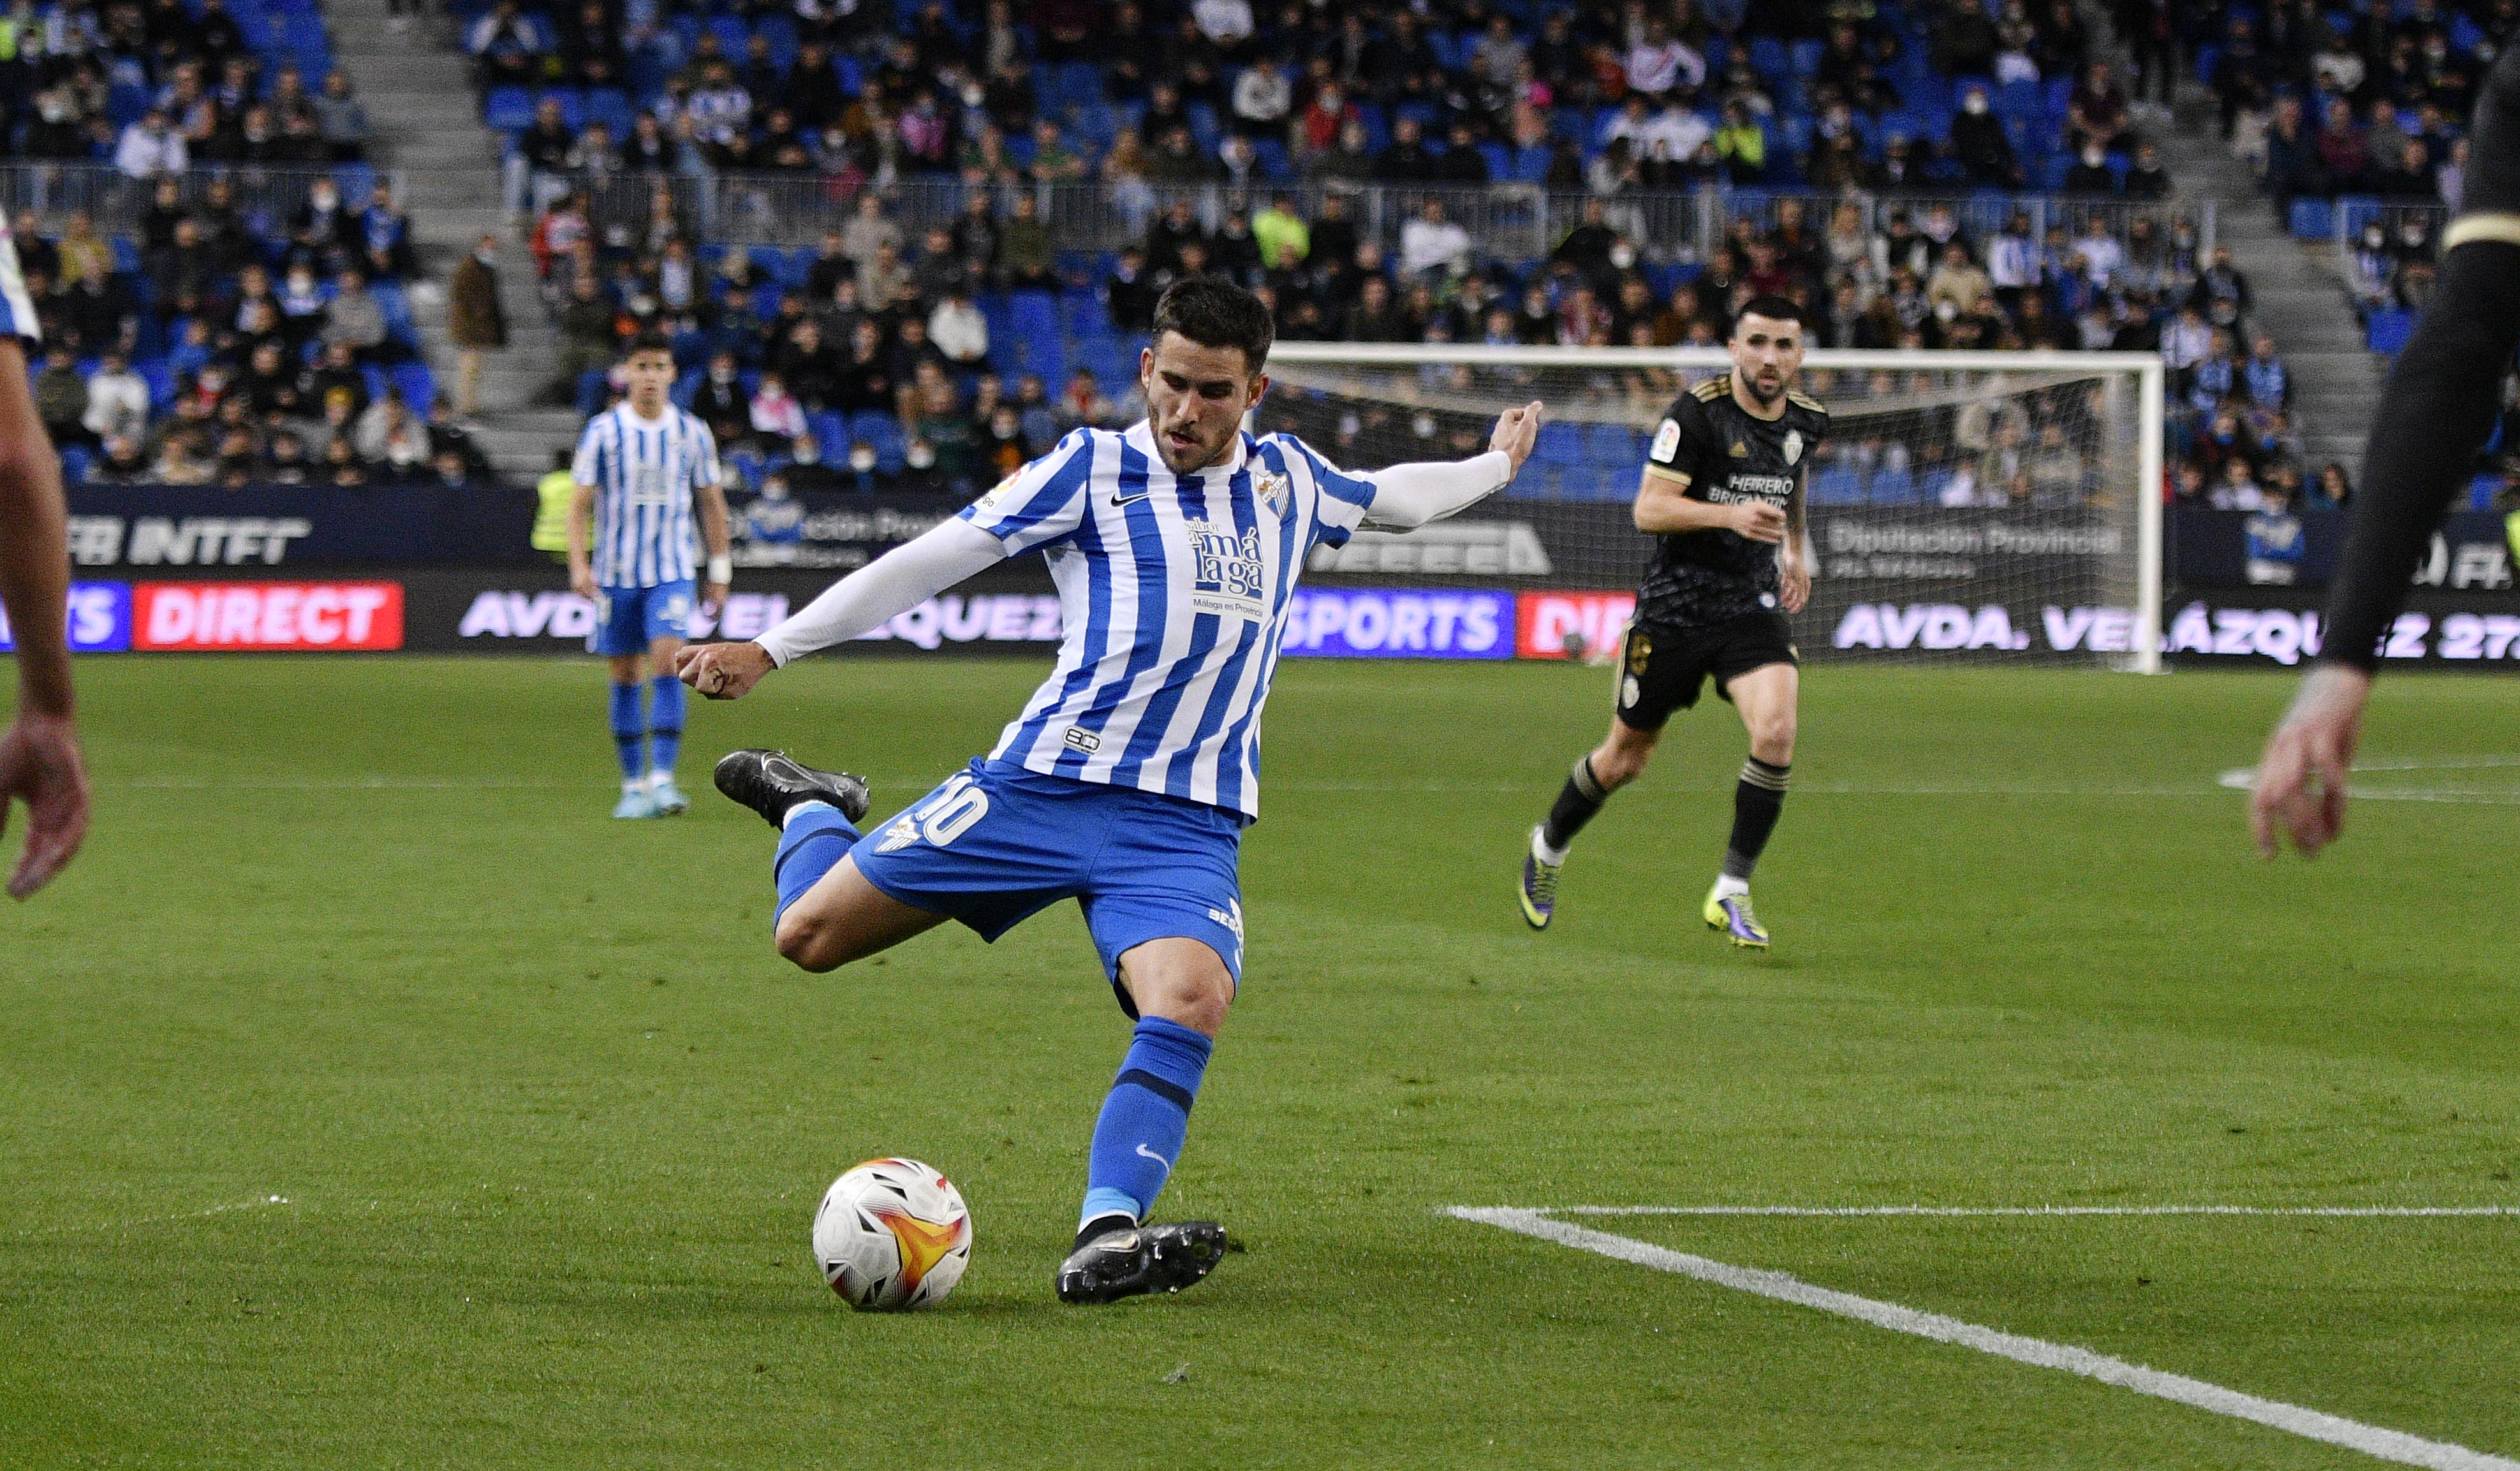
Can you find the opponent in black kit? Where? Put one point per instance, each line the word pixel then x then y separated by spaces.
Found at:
pixel 1723 493
pixel 2435 414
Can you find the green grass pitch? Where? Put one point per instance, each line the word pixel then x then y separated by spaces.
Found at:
pixel 548 1117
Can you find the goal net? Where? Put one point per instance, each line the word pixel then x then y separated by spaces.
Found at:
pixel 1985 507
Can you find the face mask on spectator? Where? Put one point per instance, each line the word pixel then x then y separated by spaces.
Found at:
pixel 1975 104
pixel 809 454
pixel 922 457
pixel 722 373
pixel 2092 157
pixel 1622 255
pixel 861 459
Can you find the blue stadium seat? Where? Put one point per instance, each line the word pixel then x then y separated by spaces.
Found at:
pixel 419 385
pixel 2386 331
pixel 611 106
pixel 508 108
pixel 1893 485
pixel 1558 445
pixel 1837 485
pixel 2313 219
pixel 1770 58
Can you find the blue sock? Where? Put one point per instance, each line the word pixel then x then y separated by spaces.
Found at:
pixel 628 723
pixel 812 844
pixel 665 723
pixel 1139 1139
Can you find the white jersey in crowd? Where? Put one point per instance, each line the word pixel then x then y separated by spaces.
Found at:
pixel 643 472
pixel 1174 591
pixel 17 308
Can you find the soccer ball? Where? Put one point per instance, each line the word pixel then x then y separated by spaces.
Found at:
pixel 892 1234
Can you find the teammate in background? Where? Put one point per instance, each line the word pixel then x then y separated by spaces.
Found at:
pixel 1722 494
pixel 641 466
pixel 1127 781
pixel 2439 406
pixel 39 755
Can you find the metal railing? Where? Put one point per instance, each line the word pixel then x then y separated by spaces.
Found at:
pixel 117 201
pixel 1518 221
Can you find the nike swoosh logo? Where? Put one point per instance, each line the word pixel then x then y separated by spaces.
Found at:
pixel 1157 1158
pixel 1131 501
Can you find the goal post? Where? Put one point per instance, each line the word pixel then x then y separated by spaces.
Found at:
pixel 1993 506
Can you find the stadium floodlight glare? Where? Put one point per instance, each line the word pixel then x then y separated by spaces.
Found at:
pixel 1965 503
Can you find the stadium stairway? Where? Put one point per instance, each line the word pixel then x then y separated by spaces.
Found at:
pixel 427 124
pixel 2296 296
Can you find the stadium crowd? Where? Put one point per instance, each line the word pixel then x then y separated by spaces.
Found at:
pixel 230 350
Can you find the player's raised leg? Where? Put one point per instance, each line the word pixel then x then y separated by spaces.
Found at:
pixel 629 717
pixel 666 711
pixel 1767 697
pixel 1618 760
pixel 1182 989
pixel 829 914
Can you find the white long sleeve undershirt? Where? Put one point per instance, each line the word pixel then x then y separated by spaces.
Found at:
pixel 1408 496
pixel 894 582
pixel 1405 497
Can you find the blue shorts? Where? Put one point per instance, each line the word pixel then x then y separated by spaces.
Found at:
pixel 997 844
pixel 629 619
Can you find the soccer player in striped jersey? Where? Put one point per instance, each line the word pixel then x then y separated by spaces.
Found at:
pixel 39 751
pixel 1127 781
pixel 643 466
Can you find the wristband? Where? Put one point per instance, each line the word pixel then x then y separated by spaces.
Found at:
pixel 721 570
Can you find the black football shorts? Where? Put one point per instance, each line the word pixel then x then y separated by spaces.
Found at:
pixel 1662 667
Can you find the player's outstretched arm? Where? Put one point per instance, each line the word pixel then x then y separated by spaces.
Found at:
pixel 39 754
pixel 1408 496
pixel 862 602
pixel 2435 413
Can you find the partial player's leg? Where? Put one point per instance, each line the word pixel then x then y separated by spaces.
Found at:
pixel 666 711
pixel 1165 903
pixel 828 912
pixel 1767 697
pixel 1182 989
pixel 630 736
pixel 1658 673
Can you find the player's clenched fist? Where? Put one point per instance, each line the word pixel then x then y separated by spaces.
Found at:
pixel 722 671
pixel 1516 431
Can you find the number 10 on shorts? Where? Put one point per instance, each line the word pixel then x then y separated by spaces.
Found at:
pixel 955 809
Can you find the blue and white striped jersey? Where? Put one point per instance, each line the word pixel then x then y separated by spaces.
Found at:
pixel 17 308
pixel 1174 591
pixel 644 472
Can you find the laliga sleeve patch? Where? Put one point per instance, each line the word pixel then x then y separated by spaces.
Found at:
pixel 1665 442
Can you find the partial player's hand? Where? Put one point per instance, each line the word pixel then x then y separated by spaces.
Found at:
pixel 2301 777
pixel 722 671
pixel 581 581
pixel 712 598
pixel 1517 431
pixel 41 765
pixel 1795 588
pixel 1759 521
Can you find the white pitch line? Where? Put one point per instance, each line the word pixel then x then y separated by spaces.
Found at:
pixel 2310 1424
pixel 259 1202
pixel 2369 1212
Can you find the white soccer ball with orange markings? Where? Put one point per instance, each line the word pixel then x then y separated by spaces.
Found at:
pixel 892 1234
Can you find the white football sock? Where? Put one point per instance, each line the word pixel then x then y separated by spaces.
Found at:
pixel 803 807
pixel 1541 850
pixel 1725 886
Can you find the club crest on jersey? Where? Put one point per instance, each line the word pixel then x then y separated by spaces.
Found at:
pixel 1272 491
pixel 1666 441
pixel 1793 445
pixel 1740 451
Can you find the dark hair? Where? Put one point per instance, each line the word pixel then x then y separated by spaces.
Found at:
pixel 650 340
pixel 1773 308
pixel 1214 312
